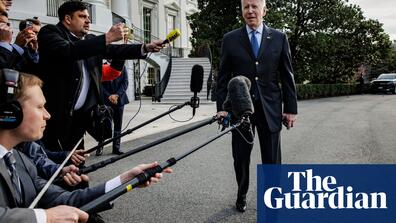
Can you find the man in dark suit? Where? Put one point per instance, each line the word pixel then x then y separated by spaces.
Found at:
pixel 263 55
pixel 114 94
pixel 20 183
pixel 22 55
pixel 71 68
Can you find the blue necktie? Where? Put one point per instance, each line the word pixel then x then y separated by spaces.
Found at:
pixel 254 43
pixel 10 162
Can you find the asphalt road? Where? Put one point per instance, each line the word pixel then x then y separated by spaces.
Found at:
pixel 340 130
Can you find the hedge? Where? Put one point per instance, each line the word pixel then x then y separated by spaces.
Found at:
pixel 308 91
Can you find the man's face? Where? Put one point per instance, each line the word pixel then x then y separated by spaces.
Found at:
pixel 253 12
pixel 5 36
pixel 78 23
pixel 2 6
pixel 36 28
pixel 34 115
pixel 8 4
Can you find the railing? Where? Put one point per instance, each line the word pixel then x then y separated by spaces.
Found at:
pixel 138 35
pixel 174 51
pixel 161 86
pixel 210 78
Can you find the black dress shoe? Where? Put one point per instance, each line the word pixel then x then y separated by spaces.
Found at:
pixel 240 204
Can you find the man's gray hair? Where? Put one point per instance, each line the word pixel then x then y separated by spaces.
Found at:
pixel 262 1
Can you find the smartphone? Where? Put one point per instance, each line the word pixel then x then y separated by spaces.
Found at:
pixel 29 24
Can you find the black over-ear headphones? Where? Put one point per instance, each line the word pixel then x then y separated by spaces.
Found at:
pixel 10 110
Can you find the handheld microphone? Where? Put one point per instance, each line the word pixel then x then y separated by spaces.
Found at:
pixel 197 73
pixel 174 34
pixel 238 100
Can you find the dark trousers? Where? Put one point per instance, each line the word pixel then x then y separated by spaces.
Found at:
pixel 242 147
pixel 118 112
pixel 58 138
pixel 78 128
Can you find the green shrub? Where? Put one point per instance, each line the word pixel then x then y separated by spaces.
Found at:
pixel 308 91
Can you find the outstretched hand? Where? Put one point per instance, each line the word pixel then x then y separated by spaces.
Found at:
pixel 71 177
pixel 78 157
pixel 130 174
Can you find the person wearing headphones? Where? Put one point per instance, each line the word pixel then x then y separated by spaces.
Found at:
pixel 23 118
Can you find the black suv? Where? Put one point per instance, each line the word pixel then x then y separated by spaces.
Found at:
pixel 384 83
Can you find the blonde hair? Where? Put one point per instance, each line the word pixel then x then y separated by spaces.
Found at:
pixel 26 81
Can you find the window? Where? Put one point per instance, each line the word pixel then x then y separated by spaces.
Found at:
pixel 52 7
pixel 147 24
pixel 171 23
pixel 189 33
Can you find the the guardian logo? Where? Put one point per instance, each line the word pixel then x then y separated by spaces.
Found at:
pixel 315 192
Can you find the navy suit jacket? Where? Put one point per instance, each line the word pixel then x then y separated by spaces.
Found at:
pixel 36 153
pixel 13 60
pixel 273 63
pixel 61 59
pixel 117 86
pixel 32 184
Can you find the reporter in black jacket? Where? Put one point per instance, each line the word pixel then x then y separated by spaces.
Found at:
pixel 71 68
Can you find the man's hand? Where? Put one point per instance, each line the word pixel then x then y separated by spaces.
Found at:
pixel 70 176
pixel 5 33
pixel 116 33
pixel 221 114
pixel 289 119
pixel 33 44
pixel 113 98
pixel 154 46
pixel 65 214
pixel 25 36
pixel 130 174
pixel 78 157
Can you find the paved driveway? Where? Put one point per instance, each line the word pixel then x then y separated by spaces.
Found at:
pixel 355 129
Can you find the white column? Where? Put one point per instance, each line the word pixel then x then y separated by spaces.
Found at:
pixel 120 7
pixel 97 2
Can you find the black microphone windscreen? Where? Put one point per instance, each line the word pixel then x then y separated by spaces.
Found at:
pixel 197 73
pixel 238 100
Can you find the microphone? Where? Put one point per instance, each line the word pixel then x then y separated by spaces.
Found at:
pixel 174 34
pixel 197 73
pixel 238 100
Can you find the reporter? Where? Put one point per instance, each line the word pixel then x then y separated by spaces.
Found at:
pixel 21 177
pixel 46 167
pixel 71 66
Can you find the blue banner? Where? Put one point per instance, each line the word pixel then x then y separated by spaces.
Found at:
pixel 326 193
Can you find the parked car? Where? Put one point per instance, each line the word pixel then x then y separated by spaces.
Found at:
pixel 384 83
